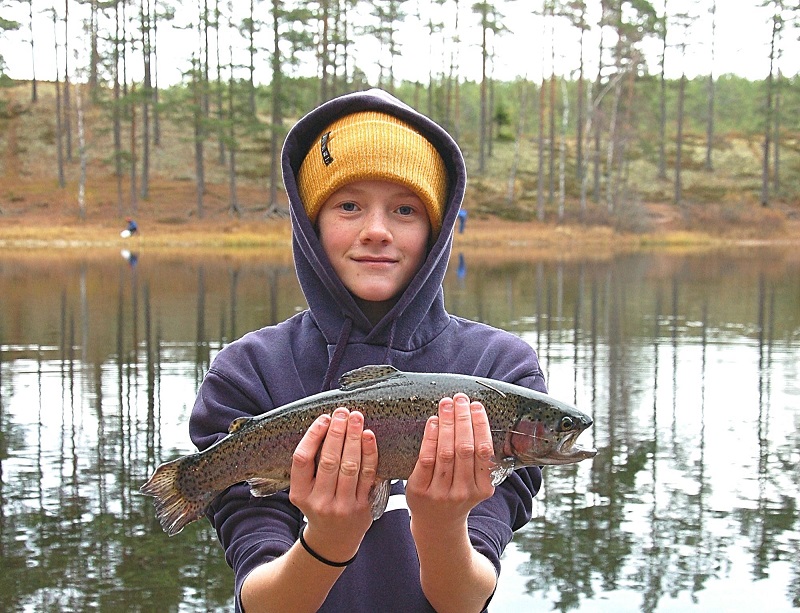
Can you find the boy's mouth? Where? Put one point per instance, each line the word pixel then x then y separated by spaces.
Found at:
pixel 374 260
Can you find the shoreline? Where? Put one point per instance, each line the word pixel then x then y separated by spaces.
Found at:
pixel 487 232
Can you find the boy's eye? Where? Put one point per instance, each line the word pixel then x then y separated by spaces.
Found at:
pixel 349 206
pixel 405 209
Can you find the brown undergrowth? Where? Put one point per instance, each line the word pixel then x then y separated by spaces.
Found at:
pixel 35 213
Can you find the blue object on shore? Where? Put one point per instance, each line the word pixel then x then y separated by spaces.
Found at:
pixel 132 229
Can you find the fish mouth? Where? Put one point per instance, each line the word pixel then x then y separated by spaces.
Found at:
pixel 544 450
pixel 565 450
pixel 568 450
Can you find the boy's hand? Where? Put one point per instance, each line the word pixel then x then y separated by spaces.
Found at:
pixel 452 475
pixel 453 472
pixel 333 494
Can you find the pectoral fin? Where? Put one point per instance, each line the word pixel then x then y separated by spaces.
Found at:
pixel 379 498
pixel 261 487
pixel 502 469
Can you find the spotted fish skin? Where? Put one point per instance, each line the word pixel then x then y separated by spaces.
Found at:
pixel 529 428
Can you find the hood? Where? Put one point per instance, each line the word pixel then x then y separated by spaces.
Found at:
pixel 419 313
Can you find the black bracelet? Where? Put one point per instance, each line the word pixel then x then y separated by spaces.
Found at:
pixel 314 554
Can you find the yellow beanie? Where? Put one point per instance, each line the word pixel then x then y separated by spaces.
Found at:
pixel 370 145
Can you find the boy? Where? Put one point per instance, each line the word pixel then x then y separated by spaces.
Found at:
pixel 375 189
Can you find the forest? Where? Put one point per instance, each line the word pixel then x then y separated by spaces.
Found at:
pixel 605 113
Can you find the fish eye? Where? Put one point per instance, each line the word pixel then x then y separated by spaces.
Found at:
pixel 567 423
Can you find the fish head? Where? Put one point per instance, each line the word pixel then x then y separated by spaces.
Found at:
pixel 546 432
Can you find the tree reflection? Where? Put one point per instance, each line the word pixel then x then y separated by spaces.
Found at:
pixel 651 523
pixel 97 379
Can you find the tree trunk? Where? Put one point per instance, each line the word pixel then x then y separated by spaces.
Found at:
pixel 709 165
pixel 343 22
pixel 584 184
pixel 124 49
pixel 662 102
pixel 94 54
pixel 679 141
pixel 593 103
pixel 219 100
pixel 205 64
pixel 233 206
pixel 482 128
pixel 34 92
pixel 199 139
pixel 540 148
pixel 596 120
pixel 67 98
pixel 146 96
pixel 579 105
pixel 81 155
pixel 491 124
pixel 776 140
pixel 765 167
pixel 552 111
pixel 512 177
pixel 154 70
pixel 453 105
pixel 276 124
pixel 611 146
pixel 59 127
pixel 540 136
pixel 251 32
pixel 134 192
pixel 324 59
pixel 116 119
pixel 562 163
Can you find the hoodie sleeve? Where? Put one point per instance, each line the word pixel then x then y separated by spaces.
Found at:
pixel 492 523
pixel 251 530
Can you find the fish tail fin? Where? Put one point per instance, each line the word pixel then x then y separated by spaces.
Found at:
pixel 173 509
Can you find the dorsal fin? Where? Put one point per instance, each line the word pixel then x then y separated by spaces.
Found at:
pixel 238 423
pixel 366 375
pixel 489 386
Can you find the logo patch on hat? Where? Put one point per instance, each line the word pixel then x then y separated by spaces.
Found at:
pixel 327 158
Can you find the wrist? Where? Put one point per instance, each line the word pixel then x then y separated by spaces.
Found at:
pixel 337 551
pixel 319 557
pixel 437 544
pixel 435 529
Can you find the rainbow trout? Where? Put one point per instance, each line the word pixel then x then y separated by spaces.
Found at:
pixel 529 428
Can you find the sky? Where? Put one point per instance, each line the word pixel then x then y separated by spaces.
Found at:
pixel 741 44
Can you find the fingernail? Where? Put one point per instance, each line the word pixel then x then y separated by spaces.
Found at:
pixel 461 400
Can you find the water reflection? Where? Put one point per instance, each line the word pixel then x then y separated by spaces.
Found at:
pixel 689 365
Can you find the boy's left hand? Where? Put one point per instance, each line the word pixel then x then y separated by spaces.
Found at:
pixel 453 470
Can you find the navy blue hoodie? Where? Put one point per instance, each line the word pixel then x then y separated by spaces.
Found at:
pixel 310 351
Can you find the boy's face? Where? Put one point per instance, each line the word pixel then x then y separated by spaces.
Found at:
pixel 375 234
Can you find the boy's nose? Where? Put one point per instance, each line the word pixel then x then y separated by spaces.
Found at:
pixel 375 228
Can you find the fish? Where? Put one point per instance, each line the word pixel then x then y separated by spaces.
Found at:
pixel 529 428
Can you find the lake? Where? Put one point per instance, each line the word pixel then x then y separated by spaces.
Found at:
pixel 689 364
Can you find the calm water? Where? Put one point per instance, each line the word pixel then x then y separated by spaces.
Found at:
pixel 689 365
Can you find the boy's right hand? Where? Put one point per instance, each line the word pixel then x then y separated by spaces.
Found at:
pixel 334 493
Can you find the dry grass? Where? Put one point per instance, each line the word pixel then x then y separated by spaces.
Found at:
pixel 36 213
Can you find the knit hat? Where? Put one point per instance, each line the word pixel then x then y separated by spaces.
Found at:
pixel 370 145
